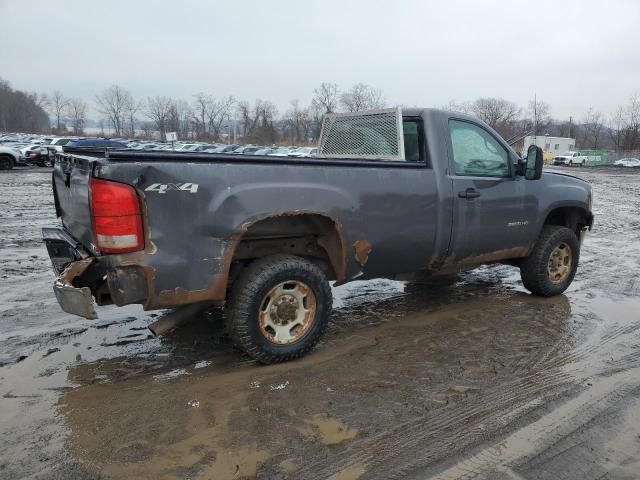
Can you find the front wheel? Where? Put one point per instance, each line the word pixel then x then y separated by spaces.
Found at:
pixel 278 308
pixel 551 266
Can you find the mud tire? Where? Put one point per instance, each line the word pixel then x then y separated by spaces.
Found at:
pixel 246 297
pixel 533 269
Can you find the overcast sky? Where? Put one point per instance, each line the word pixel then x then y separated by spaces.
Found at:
pixel 573 54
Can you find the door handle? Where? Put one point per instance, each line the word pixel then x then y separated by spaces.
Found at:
pixel 469 193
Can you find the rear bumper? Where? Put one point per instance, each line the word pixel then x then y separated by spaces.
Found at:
pixel 70 261
pixel 85 281
pixel 74 300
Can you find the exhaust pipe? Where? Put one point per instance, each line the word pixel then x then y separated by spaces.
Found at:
pixel 177 317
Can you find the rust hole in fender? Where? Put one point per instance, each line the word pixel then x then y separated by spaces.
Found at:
pixel 361 251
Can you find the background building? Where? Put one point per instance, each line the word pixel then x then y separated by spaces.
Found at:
pixel 553 145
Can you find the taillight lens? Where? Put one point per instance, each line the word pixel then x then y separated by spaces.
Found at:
pixel 116 217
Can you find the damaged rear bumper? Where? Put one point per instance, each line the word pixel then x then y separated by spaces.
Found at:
pixel 70 261
pixel 78 301
pixel 85 281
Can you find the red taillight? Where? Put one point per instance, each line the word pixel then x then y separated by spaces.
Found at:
pixel 116 218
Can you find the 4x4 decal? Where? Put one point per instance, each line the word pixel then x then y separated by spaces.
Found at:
pixel 165 187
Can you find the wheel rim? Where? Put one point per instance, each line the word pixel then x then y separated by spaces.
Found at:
pixel 287 312
pixel 559 263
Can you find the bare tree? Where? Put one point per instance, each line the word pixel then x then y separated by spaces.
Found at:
pixel 115 103
pixel 219 115
pixel 498 113
pixel 453 106
pixel 130 112
pixel 58 105
pixel 616 128
pixel 539 116
pixel 298 123
pixel 180 118
pixel 77 112
pixel 362 97
pixel 376 98
pixel 158 109
pixel 258 121
pixel 325 98
pixel 202 106
pixel 591 129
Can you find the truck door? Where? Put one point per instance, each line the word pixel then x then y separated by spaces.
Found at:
pixel 489 216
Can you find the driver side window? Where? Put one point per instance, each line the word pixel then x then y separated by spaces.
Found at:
pixel 476 152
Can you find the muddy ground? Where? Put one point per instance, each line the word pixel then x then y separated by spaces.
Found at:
pixel 474 380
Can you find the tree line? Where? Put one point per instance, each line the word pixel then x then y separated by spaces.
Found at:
pixel 21 111
pixel 619 132
pixel 206 117
pixel 212 118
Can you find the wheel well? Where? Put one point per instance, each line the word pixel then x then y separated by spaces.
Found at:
pixel 312 236
pixel 574 218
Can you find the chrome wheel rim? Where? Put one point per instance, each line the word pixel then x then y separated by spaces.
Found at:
pixel 559 265
pixel 287 312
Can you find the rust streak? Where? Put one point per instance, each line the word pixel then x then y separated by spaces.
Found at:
pixel 74 270
pixel 217 290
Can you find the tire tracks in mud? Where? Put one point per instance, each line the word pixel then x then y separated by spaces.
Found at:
pixel 589 376
pixel 540 436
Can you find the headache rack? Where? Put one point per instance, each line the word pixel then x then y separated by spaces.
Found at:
pixel 370 134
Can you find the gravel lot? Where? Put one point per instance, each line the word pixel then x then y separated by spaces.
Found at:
pixel 474 380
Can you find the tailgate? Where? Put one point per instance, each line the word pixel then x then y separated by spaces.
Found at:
pixel 71 175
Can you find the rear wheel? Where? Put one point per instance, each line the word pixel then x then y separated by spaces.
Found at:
pixel 278 308
pixel 551 267
pixel 6 162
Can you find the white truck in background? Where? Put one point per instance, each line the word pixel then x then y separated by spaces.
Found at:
pixel 575 158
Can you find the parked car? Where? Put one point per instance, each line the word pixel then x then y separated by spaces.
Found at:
pixel 96 143
pixel 186 147
pixel 9 158
pixel 628 162
pixel 228 148
pixel 204 148
pixel 266 237
pixel 152 146
pixel 304 152
pixel 244 150
pixel 247 150
pixel 264 151
pixel 56 144
pixel 36 155
pixel 281 152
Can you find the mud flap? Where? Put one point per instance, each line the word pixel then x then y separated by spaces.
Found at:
pixel 77 301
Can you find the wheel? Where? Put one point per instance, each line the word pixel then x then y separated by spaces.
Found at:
pixel 278 308
pixel 550 268
pixel 584 163
pixel 6 162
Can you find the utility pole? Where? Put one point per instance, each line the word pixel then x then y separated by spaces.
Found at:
pixel 570 126
pixel 535 119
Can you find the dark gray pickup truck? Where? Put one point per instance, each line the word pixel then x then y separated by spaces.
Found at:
pixel 428 191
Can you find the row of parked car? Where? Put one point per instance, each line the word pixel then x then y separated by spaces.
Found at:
pixel 21 149
pixel 234 149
